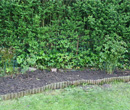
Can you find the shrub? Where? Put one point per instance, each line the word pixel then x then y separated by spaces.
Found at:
pixel 112 50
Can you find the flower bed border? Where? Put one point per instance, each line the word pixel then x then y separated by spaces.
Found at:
pixel 60 85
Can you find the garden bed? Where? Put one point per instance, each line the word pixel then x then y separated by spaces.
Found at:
pixel 40 78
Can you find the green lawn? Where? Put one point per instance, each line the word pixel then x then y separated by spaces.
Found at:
pixel 114 97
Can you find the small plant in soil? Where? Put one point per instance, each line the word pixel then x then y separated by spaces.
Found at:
pixel 7 61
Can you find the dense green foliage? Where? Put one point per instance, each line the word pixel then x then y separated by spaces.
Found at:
pixel 67 33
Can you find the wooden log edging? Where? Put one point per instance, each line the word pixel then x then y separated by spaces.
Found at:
pixel 63 84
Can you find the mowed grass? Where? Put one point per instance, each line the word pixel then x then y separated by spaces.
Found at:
pixel 114 97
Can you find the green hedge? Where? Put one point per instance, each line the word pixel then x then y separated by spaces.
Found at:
pixel 67 33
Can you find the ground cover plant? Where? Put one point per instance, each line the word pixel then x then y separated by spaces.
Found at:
pixel 87 97
pixel 67 33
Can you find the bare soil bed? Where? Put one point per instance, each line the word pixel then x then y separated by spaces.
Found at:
pixel 40 78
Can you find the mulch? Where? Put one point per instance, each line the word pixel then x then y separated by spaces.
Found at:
pixel 41 78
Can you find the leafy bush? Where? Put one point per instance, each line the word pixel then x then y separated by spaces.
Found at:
pixel 112 51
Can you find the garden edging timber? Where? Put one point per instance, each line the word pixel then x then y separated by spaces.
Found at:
pixel 63 84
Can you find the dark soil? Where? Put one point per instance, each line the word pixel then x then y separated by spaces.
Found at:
pixel 40 78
